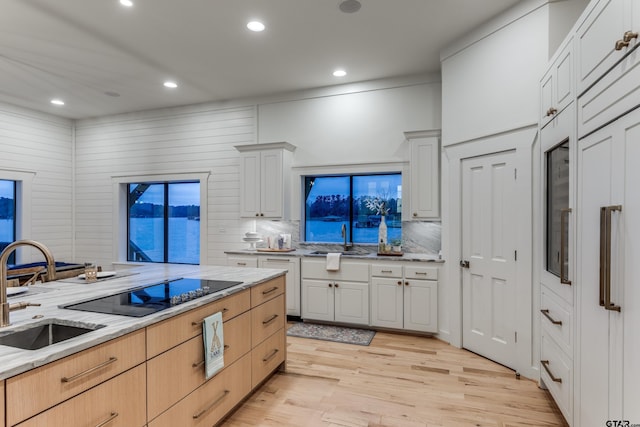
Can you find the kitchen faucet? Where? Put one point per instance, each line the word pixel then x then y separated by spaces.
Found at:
pixel 5 307
pixel 344 234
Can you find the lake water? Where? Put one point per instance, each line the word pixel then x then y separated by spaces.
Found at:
pixel 330 231
pixel 184 238
pixel 6 230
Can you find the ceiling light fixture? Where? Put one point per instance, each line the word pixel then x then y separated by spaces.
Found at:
pixel 350 6
pixel 256 26
pixel 57 102
pixel 339 73
pixel 127 3
pixel 170 85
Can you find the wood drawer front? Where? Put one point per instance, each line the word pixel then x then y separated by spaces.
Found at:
pixel 169 333
pixel 267 290
pixel 172 375
pixel 561 368
pixel 267 356
pixel 418 272
pixel 380 270
pixel 121 398
pixel 266 319
pixel 557 310
pixel 349 270
pixel 211 401
pixel 2 404
pixel 237 341
pixel 39 389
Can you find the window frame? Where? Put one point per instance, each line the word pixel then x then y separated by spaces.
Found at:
pixel 120 202
pixel 300 172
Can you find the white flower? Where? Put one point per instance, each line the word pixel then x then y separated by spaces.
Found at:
pixel 377 205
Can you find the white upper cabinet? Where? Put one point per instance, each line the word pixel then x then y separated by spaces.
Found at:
pixel 424 202
pixel 608 33
pixel 265 180
pixel 557 85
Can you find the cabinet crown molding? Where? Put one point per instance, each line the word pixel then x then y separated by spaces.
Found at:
pixel 266 146
pixel 437 133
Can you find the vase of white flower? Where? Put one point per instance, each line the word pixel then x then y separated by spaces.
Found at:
pixel 382 234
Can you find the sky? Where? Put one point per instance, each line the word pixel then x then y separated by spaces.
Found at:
pixel 6 189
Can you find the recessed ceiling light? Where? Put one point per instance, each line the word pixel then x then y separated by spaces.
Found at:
pixel 256 26
pixel 339 73
pixel 171 85
pixel 57 102
pixel 127 3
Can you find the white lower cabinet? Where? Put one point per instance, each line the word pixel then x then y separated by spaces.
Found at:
pixel 292 265
pixel 404 297
pixel 335 296
pixel 289 263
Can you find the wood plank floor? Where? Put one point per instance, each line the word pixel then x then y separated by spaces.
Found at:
pixel 399 380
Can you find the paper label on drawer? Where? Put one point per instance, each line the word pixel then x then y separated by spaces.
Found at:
pixel 213 337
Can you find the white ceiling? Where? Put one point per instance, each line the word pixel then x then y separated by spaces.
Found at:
pixel 78 50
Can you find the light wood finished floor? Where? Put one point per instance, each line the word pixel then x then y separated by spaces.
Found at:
pixel 398 380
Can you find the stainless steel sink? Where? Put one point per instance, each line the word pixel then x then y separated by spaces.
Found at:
pixel 45 333
pixel 327 252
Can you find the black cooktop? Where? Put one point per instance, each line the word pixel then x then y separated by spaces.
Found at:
pixel 150 299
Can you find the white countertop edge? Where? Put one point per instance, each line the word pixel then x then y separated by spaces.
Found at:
pixel 418 257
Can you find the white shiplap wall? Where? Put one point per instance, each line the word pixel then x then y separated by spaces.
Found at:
pixel 193 139
pixel 38 147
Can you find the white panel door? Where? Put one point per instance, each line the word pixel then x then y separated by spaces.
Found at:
pixel 489 214
pixel 317 300
pixel 387 302
pixel 421 305
pixel 352 302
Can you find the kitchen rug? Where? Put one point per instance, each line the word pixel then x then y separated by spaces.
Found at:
pixel 331 333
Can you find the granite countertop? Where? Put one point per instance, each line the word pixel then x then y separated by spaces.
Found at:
pixel 52 295
pixel 355 255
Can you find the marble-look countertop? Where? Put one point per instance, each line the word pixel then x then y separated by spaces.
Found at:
pixel 355 255
pixel 52 295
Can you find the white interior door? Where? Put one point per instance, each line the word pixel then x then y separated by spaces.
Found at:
pixel 489 211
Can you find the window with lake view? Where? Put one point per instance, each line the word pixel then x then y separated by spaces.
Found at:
pixel 356 201
pixel 7 215
pixel 164 222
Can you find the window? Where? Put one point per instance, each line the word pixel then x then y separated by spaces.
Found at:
pixel 7 215
pixel 331 201
pixel 164 222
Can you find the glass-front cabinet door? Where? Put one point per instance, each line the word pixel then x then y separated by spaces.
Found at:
pixel 557 211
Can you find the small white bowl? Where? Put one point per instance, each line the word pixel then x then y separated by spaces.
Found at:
pixel 251 234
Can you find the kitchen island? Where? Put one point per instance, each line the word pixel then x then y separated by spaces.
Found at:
pixel 144 370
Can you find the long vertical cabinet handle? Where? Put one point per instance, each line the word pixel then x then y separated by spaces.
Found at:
pixel 605 257
pixel 564 218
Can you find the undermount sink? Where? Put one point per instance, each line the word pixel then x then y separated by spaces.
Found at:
pixel 332 252
pixel 45 333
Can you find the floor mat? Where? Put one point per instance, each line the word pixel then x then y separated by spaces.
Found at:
pixel 331 333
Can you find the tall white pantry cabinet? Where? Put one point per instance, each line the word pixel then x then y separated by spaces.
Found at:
pixel 603 385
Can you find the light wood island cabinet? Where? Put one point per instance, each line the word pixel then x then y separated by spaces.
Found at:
pixel 155 376
pixel 39 389
pixel 2 404
pixel 119 402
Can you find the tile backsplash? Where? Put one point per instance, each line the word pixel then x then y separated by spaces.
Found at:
pixel 417 236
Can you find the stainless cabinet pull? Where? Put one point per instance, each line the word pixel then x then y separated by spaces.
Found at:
pixel 282 261
pixel 606 286
pixel 420 273
pixel 208 408
pixel 88 371
pixel 270 356
pixel 241 263
pixel 269 320
pixel 112 417
pixel 224 310
pixel 564 216
pixel 268 291
pixel 551 319
pixel 603 250
pixel 621 44
pixel 386 271
pixel 545 365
